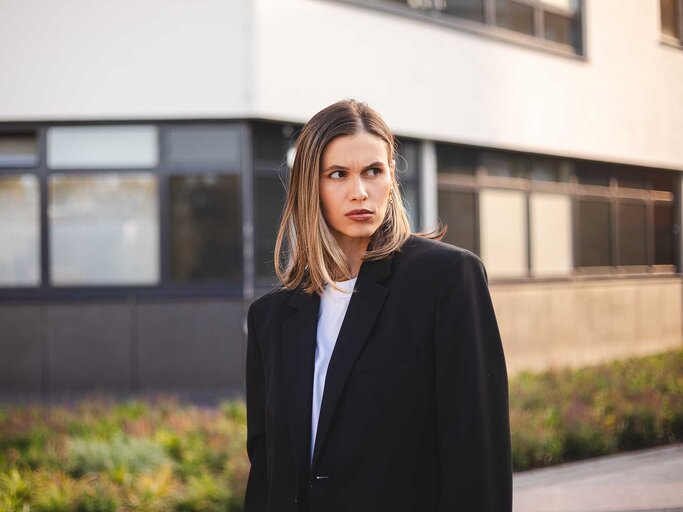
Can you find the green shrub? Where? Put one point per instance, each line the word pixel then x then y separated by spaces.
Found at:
pixel 130 454
pixel 563 415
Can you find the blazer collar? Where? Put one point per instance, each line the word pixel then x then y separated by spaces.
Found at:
pixel 299 338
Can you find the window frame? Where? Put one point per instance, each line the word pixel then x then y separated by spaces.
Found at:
pixel 489 29
pixel 612 193
pixel 165 288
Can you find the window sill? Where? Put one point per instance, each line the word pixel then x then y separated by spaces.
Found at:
pixel 671 42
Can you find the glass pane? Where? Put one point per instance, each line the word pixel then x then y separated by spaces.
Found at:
pixel 594 233
pixel 18 150
pixel 549 169
pixel 590 173
pixel 453 159
pixel 632 234
pixel 670 18
pixel 664 234
pixel 663 181
pixel 551 234
pixel 413 4
pixel 271 141
pixel 560 29
pixel 104 229
pixel 514 16
pixel 19 230
pixel 567 5
pixel 204 145
pixel 503 230
pixel 410 200
pixel 468 9
pixel 206 228
pixel 269 201
pixel 408 159
pixel 98 147
pixel 633 178
pixel 503 164
pixel 457 209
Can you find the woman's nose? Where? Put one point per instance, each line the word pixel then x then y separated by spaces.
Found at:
pixel 358 191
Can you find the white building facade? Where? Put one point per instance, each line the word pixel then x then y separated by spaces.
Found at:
pixel 143 150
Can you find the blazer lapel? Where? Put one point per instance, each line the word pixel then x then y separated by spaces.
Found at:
pixel 299 333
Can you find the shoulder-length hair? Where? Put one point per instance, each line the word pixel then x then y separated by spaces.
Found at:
pixel 312 257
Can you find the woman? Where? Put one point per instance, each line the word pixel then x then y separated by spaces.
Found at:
pixel 376 379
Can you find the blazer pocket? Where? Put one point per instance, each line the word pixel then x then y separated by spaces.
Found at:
pixel 393 357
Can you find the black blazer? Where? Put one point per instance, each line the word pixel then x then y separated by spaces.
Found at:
pixel 414 414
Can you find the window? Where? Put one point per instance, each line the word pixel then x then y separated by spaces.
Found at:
pixel 407 173
pixel 672 20
pixel 515 16
pixel 458 209
pixel 104 229
pixel 102 147
pixel 556 23
pixel 503 225
pixel 271 143
pixel 18 150
pixel 595 233
pixel 551 220
pixel 19 230
pixel 547 217
pixel 206 228
pixel 632 233
pixel 204 146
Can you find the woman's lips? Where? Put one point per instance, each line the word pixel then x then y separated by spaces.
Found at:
pixel 360 216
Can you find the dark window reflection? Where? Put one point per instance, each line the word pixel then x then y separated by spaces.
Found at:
pixel 594 233
pixel 271 141
pixel 468 9
pixel 664 234
pixel 632 234
pixel 671 16
pixel 504 164
pixel 206 228
pixel 269 200
pixel 559 28
pixel 515 16
pixel 453 159
pixel 457 209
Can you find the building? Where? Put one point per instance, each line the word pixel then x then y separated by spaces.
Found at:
pixel 143 148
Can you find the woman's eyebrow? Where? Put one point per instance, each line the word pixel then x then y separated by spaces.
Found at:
pixel 373 164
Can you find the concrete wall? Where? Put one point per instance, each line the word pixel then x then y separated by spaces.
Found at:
pixel 55 350
pixel 579 323
pixel 97 59
pixel 624 103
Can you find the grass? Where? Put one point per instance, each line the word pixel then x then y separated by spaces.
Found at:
pixel 100 455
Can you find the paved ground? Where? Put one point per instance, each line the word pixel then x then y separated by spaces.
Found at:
pixel 648 480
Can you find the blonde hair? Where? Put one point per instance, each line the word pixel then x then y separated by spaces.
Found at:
pixel 312 257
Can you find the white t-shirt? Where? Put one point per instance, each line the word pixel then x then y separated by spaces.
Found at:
pixel 333 305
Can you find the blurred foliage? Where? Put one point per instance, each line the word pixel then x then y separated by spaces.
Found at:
pixel 564 415
pixel 99 455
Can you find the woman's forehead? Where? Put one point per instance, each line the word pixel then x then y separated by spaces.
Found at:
pixel 359 149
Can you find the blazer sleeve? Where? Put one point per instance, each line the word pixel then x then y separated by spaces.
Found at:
pixel 256 495
pixel 473 427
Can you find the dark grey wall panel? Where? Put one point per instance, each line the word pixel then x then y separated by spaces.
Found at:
pixel 89 347
pixel 20 349
pixel 191 346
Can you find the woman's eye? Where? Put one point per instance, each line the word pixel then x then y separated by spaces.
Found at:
pixel 335 172
pixel 379 171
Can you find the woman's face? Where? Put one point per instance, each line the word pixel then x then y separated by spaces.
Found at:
pixel 355 175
